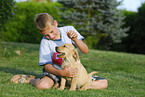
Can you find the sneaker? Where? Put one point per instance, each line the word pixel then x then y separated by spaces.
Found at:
pixel 95 78
pixel 22 78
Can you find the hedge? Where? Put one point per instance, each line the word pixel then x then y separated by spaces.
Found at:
pixel 22 28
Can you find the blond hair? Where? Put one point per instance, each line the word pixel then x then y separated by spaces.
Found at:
pixel 43 21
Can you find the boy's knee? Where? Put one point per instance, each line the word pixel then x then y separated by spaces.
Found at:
pixel 45 83
pixel 106 83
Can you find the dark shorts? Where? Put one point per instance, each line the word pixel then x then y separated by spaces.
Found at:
pixel 55 78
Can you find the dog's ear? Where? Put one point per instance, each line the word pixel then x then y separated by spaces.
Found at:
pixel 76 55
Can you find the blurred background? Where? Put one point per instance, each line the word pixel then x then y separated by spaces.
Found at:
pixel 115 25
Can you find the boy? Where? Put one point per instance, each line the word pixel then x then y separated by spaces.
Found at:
pixel 54 36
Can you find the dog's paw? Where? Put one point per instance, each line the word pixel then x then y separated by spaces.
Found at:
pixel 56 86
pixel 72 89
pixel 60 89
pixel 82 89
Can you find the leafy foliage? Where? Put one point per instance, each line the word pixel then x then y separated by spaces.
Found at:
pixel 95 18
pixel 5 11
pixel 134 43
pixel 22 28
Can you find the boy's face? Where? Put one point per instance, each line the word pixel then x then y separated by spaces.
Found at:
pixel 52 33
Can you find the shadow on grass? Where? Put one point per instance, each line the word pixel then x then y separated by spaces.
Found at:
pixel 15 71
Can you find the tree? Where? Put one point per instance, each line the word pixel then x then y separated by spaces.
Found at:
pixel 96 18
pixel 134 42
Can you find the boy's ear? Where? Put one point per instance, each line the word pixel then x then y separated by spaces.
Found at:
pixel 55 22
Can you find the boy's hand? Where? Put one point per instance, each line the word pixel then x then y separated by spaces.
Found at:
pixel 72 35
pixel 69 72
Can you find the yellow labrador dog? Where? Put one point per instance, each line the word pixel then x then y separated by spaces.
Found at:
pixel 70 57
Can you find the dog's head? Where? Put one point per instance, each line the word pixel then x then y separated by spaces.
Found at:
pixel 67 50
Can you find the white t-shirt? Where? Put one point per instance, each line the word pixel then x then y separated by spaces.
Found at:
pixel 47 47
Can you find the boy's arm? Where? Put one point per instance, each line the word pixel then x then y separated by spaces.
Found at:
pixel 81 46
pixel 79 43
pixel 66 72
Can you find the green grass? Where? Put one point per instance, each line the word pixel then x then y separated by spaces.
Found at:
pixel 125 72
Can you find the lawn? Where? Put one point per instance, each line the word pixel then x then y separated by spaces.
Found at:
pixel 125 72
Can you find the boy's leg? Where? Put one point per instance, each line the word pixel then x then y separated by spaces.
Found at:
pixel 99 84
pixel 46 81
pixel 43 83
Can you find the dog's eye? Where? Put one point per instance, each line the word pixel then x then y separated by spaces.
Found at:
pixel 64 46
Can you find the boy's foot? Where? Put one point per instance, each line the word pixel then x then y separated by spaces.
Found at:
pixel 22 78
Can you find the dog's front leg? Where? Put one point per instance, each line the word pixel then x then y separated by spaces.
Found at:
pixel 73 84
pixel 62 84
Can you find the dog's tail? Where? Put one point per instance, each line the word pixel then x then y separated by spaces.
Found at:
pixel 94 72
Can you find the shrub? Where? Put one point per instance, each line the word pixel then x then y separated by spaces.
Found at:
pixel 22 28
pixel 5 11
